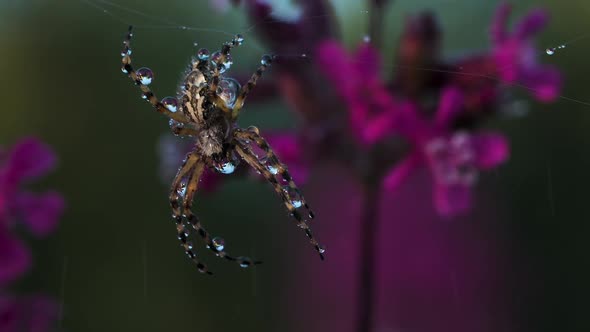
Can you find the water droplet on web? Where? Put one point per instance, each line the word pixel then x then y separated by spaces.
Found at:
pixel 364 11
pixel 303 55
pixel 218 243
pixel 170 103
pixel 195 44
pixel 203 54
pixel 294 196
pixel 182 27
pixel 145 75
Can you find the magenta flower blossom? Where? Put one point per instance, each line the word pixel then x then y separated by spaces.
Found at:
pixel 29 159
pixel 516 56
pixel 356 79
pixel 27 314
pixel 453 158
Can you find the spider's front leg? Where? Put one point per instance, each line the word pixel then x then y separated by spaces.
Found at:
pixel 213 244
pixel 191 168
pixel 265 62
pixel 269 168
pixel 143 77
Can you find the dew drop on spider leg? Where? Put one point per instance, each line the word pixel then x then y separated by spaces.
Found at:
pixel 170 103
pixel 266 60
pixel 145 75
pixel 238 39
pixel 294 196
pixel 218 243
pixel 228 90
pixel 203 54
pixel 271 168
pixel 226 166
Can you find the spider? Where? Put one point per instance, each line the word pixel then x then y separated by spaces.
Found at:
pixel 206 109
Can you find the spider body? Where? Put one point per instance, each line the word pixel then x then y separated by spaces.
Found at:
pixel 206 109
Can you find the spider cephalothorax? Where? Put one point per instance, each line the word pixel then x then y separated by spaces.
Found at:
pixel 206 109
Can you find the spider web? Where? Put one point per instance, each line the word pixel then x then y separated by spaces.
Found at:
pixel 285 11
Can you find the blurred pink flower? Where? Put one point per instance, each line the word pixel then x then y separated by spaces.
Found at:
pixel 516 56
pixel 29 159
pixel 371 108
pixel 27 314
pixel 454 158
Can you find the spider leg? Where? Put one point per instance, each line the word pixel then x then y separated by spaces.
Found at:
pixel 265 63
pixel 147 92
pixel 222 61
pixel 192 168
pixel 180 129
pixel 250 157
pixel 194 221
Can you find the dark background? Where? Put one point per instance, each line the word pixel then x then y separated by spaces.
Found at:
pixel 115 260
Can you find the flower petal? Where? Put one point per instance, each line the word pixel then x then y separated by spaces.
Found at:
pixel 531 24
pixel 14 258
pixel 367 63
pixel 450 104
pixel 544 81
pixel 40 212
pixel 452 200
pixel 491 150
pixel 401 171
pixel 498 32
pixel 29 158
pixel 288 150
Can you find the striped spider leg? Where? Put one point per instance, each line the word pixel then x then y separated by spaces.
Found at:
pixel 270 167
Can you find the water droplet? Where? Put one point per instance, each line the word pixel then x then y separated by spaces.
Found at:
pixel 124 53
pixel 266 60
pixel 189 245
pixel 271 168
pixel 364 11
pixel 145 75
pixel 124 70
pixel 228 90
pixel 294 196
pixel 550 51
pixel 561 46
pixel 303 55
pixel 203 54
pixel 244 262
pixel 182 27
pixel 225 167
pixel 195 44
pixel 367 39
pixel 144 96
pixel 216 58
pixel 321 249
pixel 238 39
pixel 170 103
pixel 218 243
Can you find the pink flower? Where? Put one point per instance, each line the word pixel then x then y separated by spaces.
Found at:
pixel 516 56
pixel 357 81
pixel 453 158
pixel 27 314
pixel 29 159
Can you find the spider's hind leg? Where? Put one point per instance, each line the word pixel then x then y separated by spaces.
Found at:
pixel 291 196
pixel 191 168
pixel 212 244
pixel 147 93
